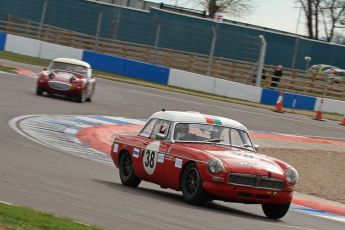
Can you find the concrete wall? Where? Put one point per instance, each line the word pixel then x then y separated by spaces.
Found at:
pixel 330 105
pixel 192 81
pixel 238 90
pixel 52 51
pixel 37 48
pixel 22 45
pixel 212 85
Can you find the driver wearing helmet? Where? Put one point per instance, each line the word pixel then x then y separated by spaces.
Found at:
pixel 182 132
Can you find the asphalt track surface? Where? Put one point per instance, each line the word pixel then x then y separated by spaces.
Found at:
pixel 49 180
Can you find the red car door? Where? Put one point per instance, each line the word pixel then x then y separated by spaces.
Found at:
pixel 173 163
pixel 148 158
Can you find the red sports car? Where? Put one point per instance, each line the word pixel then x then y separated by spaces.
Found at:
pixel 207 158
pixel 68 77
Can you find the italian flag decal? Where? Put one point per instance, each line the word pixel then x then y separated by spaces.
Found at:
pixel 213 121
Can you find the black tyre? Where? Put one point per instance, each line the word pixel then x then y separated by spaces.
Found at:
pixel 127 174
pixel 39 91
pixel 275 211
pixel 191 186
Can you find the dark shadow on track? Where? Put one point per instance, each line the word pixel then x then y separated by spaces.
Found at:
pixel 59 97
pixel 176 199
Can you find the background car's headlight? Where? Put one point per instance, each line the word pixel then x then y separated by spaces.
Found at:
pixel 51 75
pixel 215 166
pixel 291 175
pixel 73 79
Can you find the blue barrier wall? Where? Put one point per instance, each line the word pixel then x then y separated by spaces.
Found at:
pixel 270 97
pixel 125 67
pixel 2 40
pixel 104 62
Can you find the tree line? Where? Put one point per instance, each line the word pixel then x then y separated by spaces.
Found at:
pixel 324 18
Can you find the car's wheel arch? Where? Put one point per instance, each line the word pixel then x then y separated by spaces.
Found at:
pixel 182 171
pixel 121 153
pixel 127 176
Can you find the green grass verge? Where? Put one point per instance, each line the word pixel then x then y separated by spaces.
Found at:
pixel 24 58
pixel 109 76
pixel 6 68
pixel 15 217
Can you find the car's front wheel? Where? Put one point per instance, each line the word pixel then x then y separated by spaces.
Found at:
pixel 275 211
pixel 127 174
pixel 81 97
pixel 89 99
pixel 191 186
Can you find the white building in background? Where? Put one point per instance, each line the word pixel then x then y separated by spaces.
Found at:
pixel 138 4
pixel 146 5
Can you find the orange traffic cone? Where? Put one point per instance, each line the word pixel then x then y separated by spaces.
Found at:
pixel 318 115
pixel 343 122
pixel 279 105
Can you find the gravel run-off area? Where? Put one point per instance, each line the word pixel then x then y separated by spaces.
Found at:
pixel 321 173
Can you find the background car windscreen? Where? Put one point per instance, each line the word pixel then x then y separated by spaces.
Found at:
pixel 69 67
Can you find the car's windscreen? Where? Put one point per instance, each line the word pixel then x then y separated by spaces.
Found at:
pixel 69 67
pixel 203 133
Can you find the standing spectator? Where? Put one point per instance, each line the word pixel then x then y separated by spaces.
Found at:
pixel 277 74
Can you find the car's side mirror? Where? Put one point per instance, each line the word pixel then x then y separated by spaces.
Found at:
pixel 45 69
pixel 160 136
pixel 256 147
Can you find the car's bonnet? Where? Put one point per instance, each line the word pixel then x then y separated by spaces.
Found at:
pixel 245 161
pixel 234 159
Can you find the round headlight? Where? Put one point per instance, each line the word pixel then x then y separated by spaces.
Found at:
pixel 215 166
pixel 73 79
pixel 291 175
pixel 51 75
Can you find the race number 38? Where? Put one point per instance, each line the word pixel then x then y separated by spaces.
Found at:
pixel 150 160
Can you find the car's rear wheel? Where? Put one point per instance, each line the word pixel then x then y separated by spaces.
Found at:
pixel 191 186
pixel 39 91
pixel 127 174
pixel 275 211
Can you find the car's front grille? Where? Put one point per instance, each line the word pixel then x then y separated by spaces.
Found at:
pixel 59 85
pixel 255 181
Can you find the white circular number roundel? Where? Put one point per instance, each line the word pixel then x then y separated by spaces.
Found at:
pixel 150 157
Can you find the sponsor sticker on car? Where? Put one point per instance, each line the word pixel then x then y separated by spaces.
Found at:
pixel 136 153
pixel 150 156
pixel 116 148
